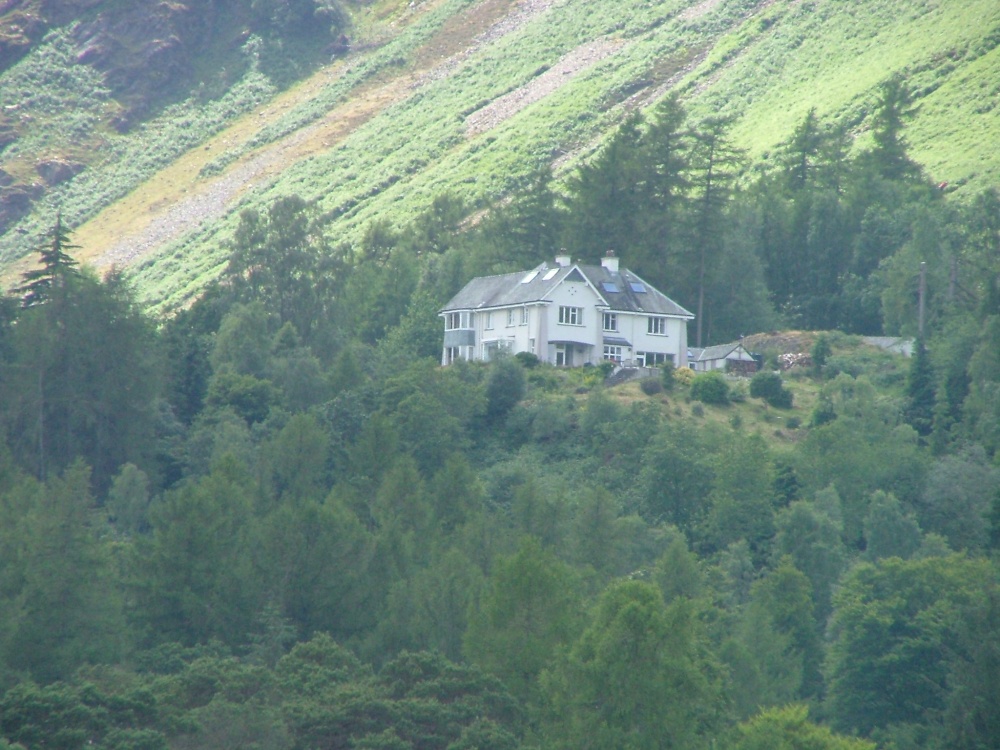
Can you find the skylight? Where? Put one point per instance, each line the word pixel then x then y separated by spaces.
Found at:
pixel 610 286
pixel 637 287
pixel 530 277
pixel 550 273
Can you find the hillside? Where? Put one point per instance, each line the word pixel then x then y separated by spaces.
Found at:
pixel 461 96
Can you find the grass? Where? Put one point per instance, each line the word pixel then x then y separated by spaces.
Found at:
pixel 374 137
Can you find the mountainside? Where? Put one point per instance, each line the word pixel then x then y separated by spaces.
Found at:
pixel 425 98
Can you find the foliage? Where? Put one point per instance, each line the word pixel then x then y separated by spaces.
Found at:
pixel 710 388
pixel 788 728
pixel 768 386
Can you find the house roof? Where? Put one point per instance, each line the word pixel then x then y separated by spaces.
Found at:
pixel 719 351
pixel 623 291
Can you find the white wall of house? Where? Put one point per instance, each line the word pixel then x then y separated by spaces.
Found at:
pixel 585 335
pixel 635 328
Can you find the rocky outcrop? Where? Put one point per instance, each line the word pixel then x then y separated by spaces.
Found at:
pixel 15 202
pixel 55 171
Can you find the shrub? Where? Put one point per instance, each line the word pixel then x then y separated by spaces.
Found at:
pixel 738 392
pixel 698 410
pixel 820 353
pixel 710 388
pixel 667 377
pixel 504 388
pixel 528 360
pixel 769 386
pixel 684 375
pixel 651 386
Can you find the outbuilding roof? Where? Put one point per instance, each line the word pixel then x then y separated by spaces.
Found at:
pixel 719 351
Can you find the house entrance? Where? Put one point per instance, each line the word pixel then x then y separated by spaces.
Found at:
pixel 564 355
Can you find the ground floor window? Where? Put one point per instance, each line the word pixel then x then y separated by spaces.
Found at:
pixel 653 359
pixel 612 353
pixel 492 348
pixel 452 353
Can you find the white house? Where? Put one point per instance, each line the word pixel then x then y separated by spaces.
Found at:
pixel 566 314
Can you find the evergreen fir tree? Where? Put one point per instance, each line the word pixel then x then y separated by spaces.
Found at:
pixel 920 392
pixel 56 266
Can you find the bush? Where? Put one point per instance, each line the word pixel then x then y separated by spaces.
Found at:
pixel 504 388
pixel 684 375
pixel 651 386
pixel 667 377
pixel 528 360
pixel 710 388
pixel 769 386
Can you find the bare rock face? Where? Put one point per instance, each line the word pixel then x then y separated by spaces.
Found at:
pixel 55 171
pixel 145 46
pixel 15 202
pixel 21 25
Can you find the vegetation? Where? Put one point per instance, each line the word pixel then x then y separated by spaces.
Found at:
pixel 274 516
pixel 272 519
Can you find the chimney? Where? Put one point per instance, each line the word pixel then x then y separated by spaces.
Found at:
pixel 564 260
pixel 610 262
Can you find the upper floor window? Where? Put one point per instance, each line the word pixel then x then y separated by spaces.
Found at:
pixel 457 320
pixel 657 325
pixel 488 323
pixel 524 316
pixel 571 316
pixel 610 321
pixel 511 317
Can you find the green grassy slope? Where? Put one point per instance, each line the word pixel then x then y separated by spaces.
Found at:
pixel 580 65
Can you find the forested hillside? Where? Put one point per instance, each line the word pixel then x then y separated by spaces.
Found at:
pixel 273 520
pixel 243 506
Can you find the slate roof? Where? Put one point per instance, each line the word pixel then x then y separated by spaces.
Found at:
pixel 505 290
pixel 719 351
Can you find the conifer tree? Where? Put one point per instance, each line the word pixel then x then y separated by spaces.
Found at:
pixel 920 391
pixel 56 266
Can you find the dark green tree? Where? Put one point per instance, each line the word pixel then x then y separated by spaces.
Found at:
pixel 638 677
pixel 894 107
pixel 893 625
pixel 56 269
pixel 714 164
pixel 82 380
pixel 531 608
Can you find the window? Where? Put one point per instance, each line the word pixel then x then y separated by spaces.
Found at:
pixel 653 359
pixel 610 321
pixel 550 273
pixel 511 317
pixel 637 287
pixel 454 353
pixel 613 353
pixel 524 316
pixel 610 286
pixel 456 320
pixel 489 321
pixel 571 316
pixel 657 325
